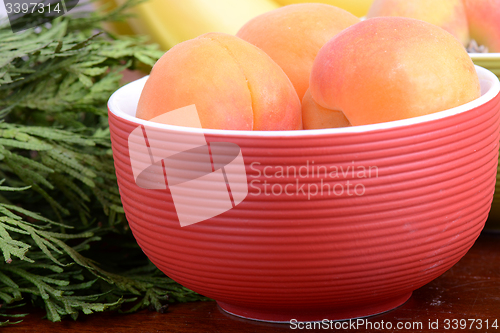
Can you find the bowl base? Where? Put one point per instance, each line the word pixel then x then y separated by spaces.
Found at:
pixel 318 314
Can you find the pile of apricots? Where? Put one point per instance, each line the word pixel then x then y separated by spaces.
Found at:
pixel 314 66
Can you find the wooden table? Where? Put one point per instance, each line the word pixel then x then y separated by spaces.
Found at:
pixel 469 291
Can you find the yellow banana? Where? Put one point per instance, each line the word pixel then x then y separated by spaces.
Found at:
pixel 121 28
pixel 356 7
pixel 169 22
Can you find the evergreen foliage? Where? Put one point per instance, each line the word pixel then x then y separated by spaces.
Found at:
pixel 63 234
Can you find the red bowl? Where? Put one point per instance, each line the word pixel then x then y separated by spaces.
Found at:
pixel 281 251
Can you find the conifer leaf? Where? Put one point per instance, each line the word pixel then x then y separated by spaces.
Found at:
pixel 31 145
pixel 60 207
pixel 85 80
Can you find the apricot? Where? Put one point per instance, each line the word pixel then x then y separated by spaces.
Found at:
pixel 314 116
pixel 484 22
pixel 391 68
pixel 447 14
pixel 292 36
pixel 233 84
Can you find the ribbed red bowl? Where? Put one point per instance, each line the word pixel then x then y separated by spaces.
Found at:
pixel 337 254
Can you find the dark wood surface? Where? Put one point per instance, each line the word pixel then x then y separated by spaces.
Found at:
pixel 469 291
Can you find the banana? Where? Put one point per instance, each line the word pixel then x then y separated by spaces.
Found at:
pixel 357 7
pixel 121 28
pixel 169 22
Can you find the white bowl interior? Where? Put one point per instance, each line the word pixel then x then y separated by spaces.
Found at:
pixel 123 104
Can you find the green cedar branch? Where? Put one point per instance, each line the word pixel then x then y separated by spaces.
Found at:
pixel 64 239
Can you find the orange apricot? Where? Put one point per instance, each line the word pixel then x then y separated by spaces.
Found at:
pixel 292 36
pixel 484 22
pixel 390 68
pixel 447 14
pixel 314 116
pixel 233 84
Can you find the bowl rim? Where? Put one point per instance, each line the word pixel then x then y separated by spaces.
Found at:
pixel 485 56
pixel 132 91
